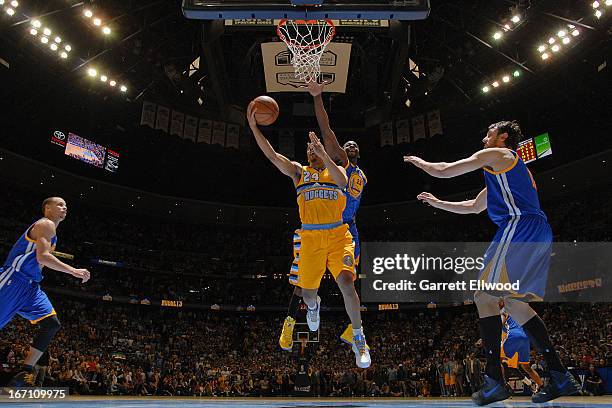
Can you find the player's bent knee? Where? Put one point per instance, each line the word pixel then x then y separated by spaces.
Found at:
pixel 345 280
pixel 48 327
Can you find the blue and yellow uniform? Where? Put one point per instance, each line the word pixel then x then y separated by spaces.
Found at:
pixel 521 248
pixel 354 189
pixel 324 241
pixel 515 344
pixel 20 278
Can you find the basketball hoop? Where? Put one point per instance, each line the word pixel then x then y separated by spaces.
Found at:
pixel 307 40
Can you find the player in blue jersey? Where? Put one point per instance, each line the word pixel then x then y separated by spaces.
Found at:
pixel 346 156
pixel 520 251
pixel 20 277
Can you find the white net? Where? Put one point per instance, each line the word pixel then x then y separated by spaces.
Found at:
pixel 307 40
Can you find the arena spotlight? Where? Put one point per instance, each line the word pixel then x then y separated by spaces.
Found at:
pixel 542 48
pixel 498 35
pixel 485 89
pixel 551 40
pixel 97 22
pixel 44 40
pixel 112 83
pixel 566 40
pixel 87 13
pixel 53 46
pixel 545 56
pixel 555 48
pixel 1 2
pixel 64 54
pixel 103 78
pixel 516 73
pixel 562 33
pixel 10 11
pixel 495 84
pixel 608 2
pixel 506 78
pixel 595 4
pixel 92 72
pixel 123 88
pixel 58 40
pixel 515 19
pixel 33 31
pixel 68 48
pixel 46 31
pixel 106 30
pixel 576 32
pixel 36 23
pixel 15 3
pixel 598 13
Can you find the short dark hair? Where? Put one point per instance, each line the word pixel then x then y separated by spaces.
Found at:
pixel 513 129
pixel 46 202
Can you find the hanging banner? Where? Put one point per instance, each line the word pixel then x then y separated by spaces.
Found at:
pixel 386 134
pixel 163 118
pixel 176 126
pixel 205 131
pixel 147 118
pixel 418 127
pixel 233 136
pixel 218 133
pixel 191 128
pixel 435 123
pixel 403 131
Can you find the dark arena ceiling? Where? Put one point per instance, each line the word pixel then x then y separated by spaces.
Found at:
pixel 148 47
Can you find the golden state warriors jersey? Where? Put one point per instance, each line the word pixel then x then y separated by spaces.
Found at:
pixel 320 200
pixel 356 182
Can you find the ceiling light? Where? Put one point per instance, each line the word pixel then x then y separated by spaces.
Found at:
pixel 495 84
pixel 506 78
pixel 10 11
pixel 485 89
pixel 44 40
pixel 516 73
pixel 15 3
pixel 516 19
pixel 598 14
pixel 555 48
pixel 497 35
pixel 551 40
pixel 542 48
pixel 36 23
pixel 575 33
pixel 64 54
pixel 97 21
pixel 103 78
pixel 106 30
pixel 92 72
pixel 88 13
pixel 545 56
pixel 53 46
pixel 47 31
pixel 595 4
pixel 33 31
pixel 68 47
pixel 566 40
pixel 123 88
pixel 112 83
pixel 608 2
pixel 562 33
pixel 58 40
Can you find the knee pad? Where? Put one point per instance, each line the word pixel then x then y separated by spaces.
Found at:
pixel 47 329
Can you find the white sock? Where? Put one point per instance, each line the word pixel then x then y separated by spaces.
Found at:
pixel 358 331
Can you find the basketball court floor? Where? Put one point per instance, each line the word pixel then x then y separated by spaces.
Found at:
pixel 146 402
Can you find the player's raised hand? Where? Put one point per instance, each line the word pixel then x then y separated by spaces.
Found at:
pixel 417 161
pixel 316 144
pixel 82 274
pixel 251 111
pixel 428 198
pixel 315 89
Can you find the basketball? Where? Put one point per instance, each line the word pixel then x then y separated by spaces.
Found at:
pixel 267 110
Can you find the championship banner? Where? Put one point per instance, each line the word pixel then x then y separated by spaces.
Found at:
pixel 434 123
pixel 286 143
pixel 233 136
pixel 218 133
pixel 280 75
pixel 386 134
pixel 176 126
pixel 191 128
pixel 205 131
pixel 542 145
pixel 147 117
pixel 526 151
pixel 163 118
pixel 418 127
pixel 402 129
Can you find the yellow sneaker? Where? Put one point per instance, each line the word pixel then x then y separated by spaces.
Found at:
pixel 347 336
pixel 286 337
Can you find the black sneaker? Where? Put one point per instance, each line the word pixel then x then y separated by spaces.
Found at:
pixel 491 391
pixel 560 384
pixel 22 379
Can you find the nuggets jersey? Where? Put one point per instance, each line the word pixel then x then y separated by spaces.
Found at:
pixel 511 193
pixel 21 260
pixel 356 182
pixel 320 200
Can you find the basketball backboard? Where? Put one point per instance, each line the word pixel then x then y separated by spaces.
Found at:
pixel 314 9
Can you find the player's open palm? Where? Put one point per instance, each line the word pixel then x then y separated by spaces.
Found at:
pixel 317 146
pixel 428 198
pixel 315 88
pixel 82 274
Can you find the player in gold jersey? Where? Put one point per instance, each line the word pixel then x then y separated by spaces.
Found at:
pixel 324 241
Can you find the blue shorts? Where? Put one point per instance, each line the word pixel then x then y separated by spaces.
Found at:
pixel 520 251
pixel 22 296
pixel 355 234
pixel 515 350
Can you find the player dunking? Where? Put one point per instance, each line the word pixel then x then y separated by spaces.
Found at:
pixel 324 241
pixel 511 200
pixel 347 157
pixel 20 277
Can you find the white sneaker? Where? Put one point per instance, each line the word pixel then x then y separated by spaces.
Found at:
pixel 361 350
pixel 312 316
